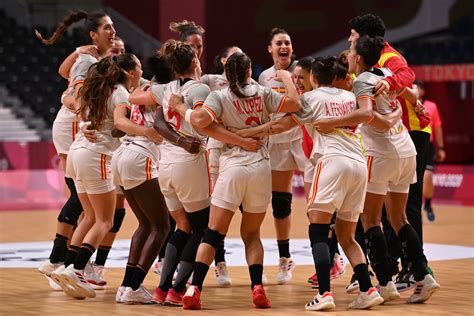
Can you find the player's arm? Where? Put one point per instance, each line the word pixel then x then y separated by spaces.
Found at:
pixel 403 76
pixel 269 128
pixel 291 102
pixel 143 96
pixel 364 114
pixel 217 131
pixel 387 121
pixel 124 124
pixel 410 94
pixel 67 64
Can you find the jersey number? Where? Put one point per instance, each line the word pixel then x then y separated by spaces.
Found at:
pixel 252 119
pixel 171 115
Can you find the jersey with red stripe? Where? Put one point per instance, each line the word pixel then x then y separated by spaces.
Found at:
pixel 241 113
pixel 394 143
pixel 194 93
pixel 106 144
pixel 267 79
pixel 402 77
pixel 326 102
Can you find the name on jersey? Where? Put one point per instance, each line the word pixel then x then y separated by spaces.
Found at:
pixel 248 106
pixel 339 108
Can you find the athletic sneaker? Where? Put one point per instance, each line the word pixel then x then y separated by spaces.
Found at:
pixel 47 267
pixel 429 213
pixel 367 299
pixel 75 279
pixel 159 295
pixel 139 296
pixel 388 292
pixel 158 266
pixel 264 279
pixel 54 286
pixel 424 289
pixel 222 275
pixel 174 298
pixel 285 271
pixel 68 289
pixel 192 298
pixel 405 281
pixel 259 297
pixel 321 302
pixel 336 271
pixel 95 276
pixel 353 286
pixel 118 296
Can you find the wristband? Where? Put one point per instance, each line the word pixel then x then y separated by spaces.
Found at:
pixel 187 115
pixel 78 50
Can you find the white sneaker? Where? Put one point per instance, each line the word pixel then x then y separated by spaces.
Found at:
pixel 388 292
pixel 140 296
pixel 94 275
pixel 286 267
pixel 367 299
pixel 53 284
pixel 222 275
pixel 68 290
pixel 424 289
pixel 321 302
pixel 118 296
pixel 264 279
pixel 47 267
pixel 75 279
pixel 158 266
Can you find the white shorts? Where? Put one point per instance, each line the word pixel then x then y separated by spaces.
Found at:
pixel 64 134
pixel 186 184
pixel 339 184
pixel 287 156
pixel 390 175
pixel 249 185
pixel 91 171
pixel 131 168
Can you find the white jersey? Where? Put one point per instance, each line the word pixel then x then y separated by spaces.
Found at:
pixel 194 94
pixel 267 79
pixel 77 75
pixel 143 116
pixel 394 143
pixel 241 113
pixel 106 143
pixel 332 102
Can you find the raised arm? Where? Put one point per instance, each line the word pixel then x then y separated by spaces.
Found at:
pixel 292 99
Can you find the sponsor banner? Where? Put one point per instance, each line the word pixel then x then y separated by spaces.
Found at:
pixel 442 73
pixel 453 184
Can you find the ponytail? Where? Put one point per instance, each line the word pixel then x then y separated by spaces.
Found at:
pixel 236 69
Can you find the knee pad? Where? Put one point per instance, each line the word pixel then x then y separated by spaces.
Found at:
pixel 119 215
pixel 318 234
pixel 199 220
pixel 281 204
pixel 213 238
pixel 72 209
pixel 377 249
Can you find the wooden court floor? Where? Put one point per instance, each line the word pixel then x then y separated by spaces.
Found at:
pixel 26 292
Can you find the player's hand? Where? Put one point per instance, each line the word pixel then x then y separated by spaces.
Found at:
pixel 153 135
pixel 92 50
pixel 176 101
pixel 280 74
pixel 381 86
pixel 440 155
pixel 324 125
pixel 250 144
pixel 191 144
pixel 89 134
pixel 419 108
